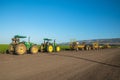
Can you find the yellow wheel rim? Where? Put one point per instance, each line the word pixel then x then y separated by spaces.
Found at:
pixel 50 48
pixel 20 49
pixel 57 49
pixel 34 49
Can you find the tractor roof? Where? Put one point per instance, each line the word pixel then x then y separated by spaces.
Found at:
pixel 18 36
pixel 47 39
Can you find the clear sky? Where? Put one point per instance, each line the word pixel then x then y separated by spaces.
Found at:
pixel 59 19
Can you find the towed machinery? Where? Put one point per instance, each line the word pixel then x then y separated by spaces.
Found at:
pixel 47 46
pixel 107 45
pixel 77 46
pixel 95 46
pixel 23 47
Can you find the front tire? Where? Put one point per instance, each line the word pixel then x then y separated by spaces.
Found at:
pixel 34 49
pixel 57 48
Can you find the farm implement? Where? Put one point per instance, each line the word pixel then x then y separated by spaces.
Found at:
pixel 79 46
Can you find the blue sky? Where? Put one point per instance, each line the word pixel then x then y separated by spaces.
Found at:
pixel 59 19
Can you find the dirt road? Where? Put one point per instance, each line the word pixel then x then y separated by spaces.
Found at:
pixel 66 65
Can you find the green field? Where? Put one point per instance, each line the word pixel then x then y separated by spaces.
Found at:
pixel 64 47
pixel 3 48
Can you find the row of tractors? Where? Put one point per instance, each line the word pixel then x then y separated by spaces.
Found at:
pixel 83 46
pixel 22 47
pixel 48 45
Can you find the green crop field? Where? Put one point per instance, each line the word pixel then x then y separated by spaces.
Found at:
pixel 64 47
pixel 3 48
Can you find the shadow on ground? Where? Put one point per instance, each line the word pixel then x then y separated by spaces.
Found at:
pixel 112 65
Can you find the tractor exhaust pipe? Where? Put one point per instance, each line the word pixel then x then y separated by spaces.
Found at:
pixel 29 39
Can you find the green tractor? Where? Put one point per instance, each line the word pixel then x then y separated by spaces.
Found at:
pixel 47 46
pixel 23 47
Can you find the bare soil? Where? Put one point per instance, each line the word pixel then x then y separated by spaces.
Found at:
pixel 66 65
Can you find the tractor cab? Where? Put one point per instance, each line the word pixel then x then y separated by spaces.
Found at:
pixel 16 39
pixel 47 41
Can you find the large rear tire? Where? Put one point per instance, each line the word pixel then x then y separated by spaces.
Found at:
pixel 34 49
pixel 20 49
pixel 49 48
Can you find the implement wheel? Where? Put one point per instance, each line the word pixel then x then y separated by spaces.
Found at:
pixel 82 49
pixel 34 49
pixel 49 48
pixel 20 49
pixel 87 48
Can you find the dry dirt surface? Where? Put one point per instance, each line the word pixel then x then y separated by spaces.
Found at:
pixel 66 65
